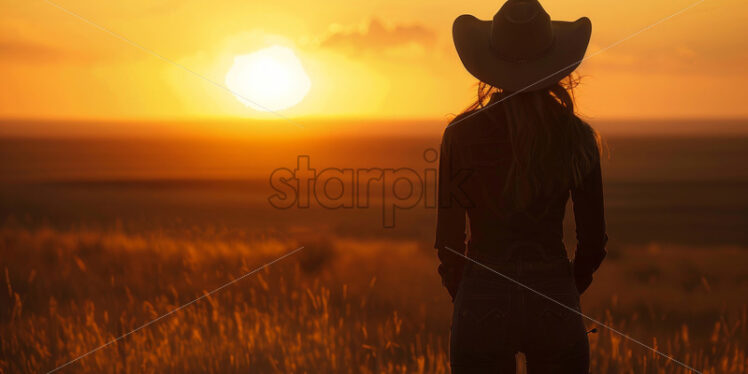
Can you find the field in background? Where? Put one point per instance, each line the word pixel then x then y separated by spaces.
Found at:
pixel 98 237
pixel 339 305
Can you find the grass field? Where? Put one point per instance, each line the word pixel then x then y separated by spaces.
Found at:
pixel 337 306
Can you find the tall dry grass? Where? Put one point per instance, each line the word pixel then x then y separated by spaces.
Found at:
pixel 339 306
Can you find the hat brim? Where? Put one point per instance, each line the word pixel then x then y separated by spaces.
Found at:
pixel 472 41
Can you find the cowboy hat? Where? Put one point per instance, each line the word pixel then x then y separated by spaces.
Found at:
pixel 521 49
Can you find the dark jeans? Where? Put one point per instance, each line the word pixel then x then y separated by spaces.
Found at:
pixel 495 318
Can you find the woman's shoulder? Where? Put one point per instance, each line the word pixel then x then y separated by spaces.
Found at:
pixel 462 117
pixel 474 123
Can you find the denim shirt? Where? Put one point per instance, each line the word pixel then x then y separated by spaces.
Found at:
pixel 474 162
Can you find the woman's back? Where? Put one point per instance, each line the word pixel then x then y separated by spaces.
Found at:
pixel 477 158
pixel 480 146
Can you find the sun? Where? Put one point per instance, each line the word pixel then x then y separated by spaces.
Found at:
pixel 269 79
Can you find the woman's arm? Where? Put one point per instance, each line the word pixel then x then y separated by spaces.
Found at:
pixel 450 226
pixel 589 215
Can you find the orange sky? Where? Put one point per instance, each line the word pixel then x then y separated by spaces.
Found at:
pixel 381 59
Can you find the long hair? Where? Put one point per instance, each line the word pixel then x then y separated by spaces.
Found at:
pixel 553 149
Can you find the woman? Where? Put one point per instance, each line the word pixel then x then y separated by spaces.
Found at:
pixel 507 168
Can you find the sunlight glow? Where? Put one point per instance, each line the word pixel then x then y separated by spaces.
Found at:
pixel 269 79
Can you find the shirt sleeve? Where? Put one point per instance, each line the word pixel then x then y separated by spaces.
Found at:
pixel 589 215
pixel 450 226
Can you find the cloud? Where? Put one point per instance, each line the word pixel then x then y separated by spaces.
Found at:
pixel 377 38
pixel 29 51
pixel 671 59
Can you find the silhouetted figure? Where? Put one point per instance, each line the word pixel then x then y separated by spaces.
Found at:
pixel 507 168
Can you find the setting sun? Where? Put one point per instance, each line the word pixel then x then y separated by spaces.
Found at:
pixel 269 79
